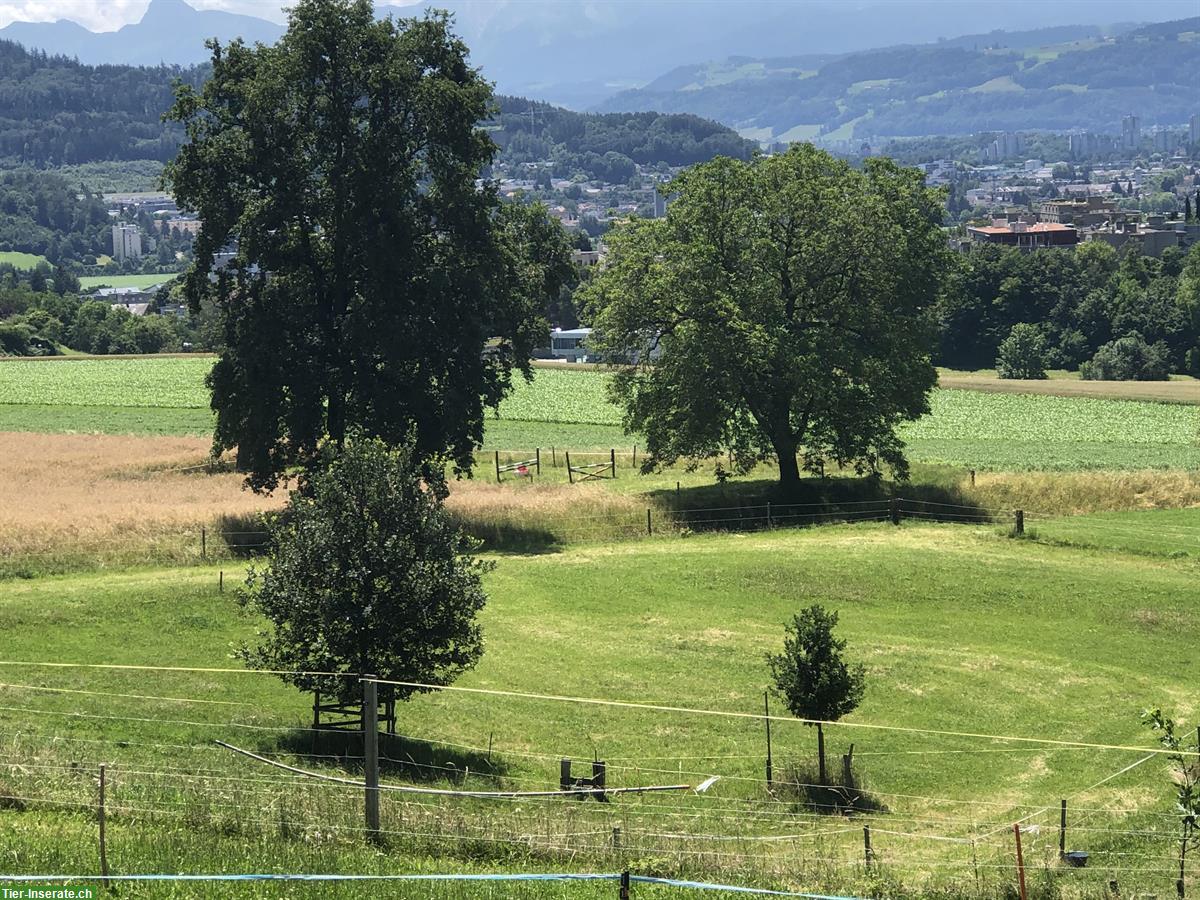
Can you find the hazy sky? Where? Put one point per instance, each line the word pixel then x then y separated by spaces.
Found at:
pixel 108 15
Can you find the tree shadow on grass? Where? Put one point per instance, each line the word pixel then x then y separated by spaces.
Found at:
pixel 842 795
pixel 245 535
pixel 763 503
pixel 400 756
pixel 512 537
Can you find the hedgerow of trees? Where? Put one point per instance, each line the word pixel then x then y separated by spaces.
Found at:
pixel 1081 300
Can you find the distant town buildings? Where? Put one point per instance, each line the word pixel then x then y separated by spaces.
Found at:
pixel 127 241
pixel 184 224
pixel 1165 140
pixel 1085 213
pixel 1025 235
pixel 1131 132
pixel 1083 144
pixel 1005 146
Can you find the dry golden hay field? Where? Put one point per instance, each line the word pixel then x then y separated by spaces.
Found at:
pixel 1186 391
pixel 109 492
pixel 125 498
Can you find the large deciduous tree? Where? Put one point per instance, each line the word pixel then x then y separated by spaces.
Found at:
pixel 791 298
pixel 376 281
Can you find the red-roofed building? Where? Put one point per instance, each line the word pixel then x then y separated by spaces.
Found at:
pixel 1025 235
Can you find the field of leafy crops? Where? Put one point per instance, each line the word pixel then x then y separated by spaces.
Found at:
pixel 171 382
pixel 562 396
pixel 966 428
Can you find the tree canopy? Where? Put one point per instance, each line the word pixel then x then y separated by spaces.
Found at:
pixel 791 299
pixel 368 575
pixel 376 281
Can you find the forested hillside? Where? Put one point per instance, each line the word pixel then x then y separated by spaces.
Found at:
pixel 944 88
pixel 56 111
pixel 527 130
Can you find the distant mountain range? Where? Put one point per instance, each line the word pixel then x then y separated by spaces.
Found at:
pixel 170 32
pixel 1054 79
pixel 579 52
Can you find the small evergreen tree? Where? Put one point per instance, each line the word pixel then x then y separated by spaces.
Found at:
pixel 367 574
pixel 1023 353
pixel 811 676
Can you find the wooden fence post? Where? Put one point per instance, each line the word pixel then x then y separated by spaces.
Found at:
pixel 221 582
pixel 370 724
pixel 1020 861
pixel 497 467
pixel 612 460
pixel 1020 521
pixel 868 853
pixel 895 510
pixel 537 458
pixel 767 721
pixel 624 895
pixel 616 837
pixel 768 514
pixel 649 528
pixel 103 845
pixel 570 471
pixel 564 774
pixel 635 456
pixel 203 542
pixel 972 478
pixel 553 458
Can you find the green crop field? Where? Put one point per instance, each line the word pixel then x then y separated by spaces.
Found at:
pixel 962 630
pixel 22 260
pixel 978 429
pixel 88 282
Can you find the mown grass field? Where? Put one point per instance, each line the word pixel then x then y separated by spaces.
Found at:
pixel 962 629
pixel 22 260
pixel 88 282
pixel 979 429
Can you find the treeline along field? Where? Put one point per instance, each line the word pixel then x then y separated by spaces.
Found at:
pixel 571 409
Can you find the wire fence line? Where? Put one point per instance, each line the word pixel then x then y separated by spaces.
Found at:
pixel 708 835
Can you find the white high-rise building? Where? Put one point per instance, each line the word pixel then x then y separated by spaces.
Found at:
pixel 1194 130
pixel 127 241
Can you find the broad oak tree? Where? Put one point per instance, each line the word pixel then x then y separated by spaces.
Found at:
pixel 790 302
pixel 376 280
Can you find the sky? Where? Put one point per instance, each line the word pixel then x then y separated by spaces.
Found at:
pixel 109 15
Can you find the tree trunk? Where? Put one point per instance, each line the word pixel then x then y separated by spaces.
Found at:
pixel 789 468
pixel 824 777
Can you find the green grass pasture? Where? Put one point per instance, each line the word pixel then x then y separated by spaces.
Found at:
pixel 962 630
pixel 22 260
pixel 88 282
